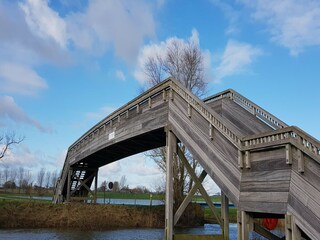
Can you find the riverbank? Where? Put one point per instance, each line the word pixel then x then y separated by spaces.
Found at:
pixel 19 214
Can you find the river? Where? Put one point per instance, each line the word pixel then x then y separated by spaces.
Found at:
pixel 119 234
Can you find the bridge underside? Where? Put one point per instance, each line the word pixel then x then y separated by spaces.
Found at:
pixel 263 166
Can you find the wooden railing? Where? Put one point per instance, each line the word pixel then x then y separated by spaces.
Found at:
pixel 146 97
pixel 207 113
pixel 251 107
pixel 294 135
pixel 167 88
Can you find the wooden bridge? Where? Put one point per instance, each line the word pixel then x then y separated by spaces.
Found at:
pixel 264 167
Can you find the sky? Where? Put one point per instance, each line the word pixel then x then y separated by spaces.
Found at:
pixel 65 65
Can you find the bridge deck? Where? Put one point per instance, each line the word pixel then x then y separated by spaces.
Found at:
pixel 261 164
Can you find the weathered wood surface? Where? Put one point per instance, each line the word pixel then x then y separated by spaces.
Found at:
pixel 260 163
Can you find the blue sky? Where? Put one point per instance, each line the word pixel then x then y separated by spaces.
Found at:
pixel 64 65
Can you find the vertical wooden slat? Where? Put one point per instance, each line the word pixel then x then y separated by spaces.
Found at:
pixel 300 161
pixel 247 159
pixel 69 184
pixel 95 186
pixel 288 227
pixel 171 154
pixel 225 215
pixel 288 154
pixel 239 224
pixel 240 159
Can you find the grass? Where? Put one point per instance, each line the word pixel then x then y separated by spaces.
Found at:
pixel 210 218
pixel 140 196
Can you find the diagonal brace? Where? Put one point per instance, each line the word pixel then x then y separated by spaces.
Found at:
pixel 199 186
pixel 188 198
pixel 83 183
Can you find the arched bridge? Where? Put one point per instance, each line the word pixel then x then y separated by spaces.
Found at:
pixel 263 166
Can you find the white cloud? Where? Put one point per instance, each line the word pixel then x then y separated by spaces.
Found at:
pixel 44 22
pixel 16 78
pixel 236 59
pixel 121 24
pixel 10 110
pixel 120 75
pixel 293 24
pixel 138 170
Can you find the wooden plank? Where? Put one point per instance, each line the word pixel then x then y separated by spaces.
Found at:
pixel 247 123
pixel 306 214
pixel 200 138
pixel 264 207
pixel 303 225
pixel 205 155
pixel 311 170
pixel 272 197
pixel 265 186
pixel 305 193
pixel 278 175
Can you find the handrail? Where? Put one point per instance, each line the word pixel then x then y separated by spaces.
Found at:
pixel 214 119
pixel 152 92
pixel 250 106
pixel 294 135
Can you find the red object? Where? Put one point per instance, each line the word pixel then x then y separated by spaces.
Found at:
pixel 270 223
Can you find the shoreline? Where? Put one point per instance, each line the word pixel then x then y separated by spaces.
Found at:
pixel 33 215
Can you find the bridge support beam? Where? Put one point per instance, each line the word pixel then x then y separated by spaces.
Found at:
pixel 245 225
pixel 292 231
pixel 70 172
pixel 171 155
pixel 225 215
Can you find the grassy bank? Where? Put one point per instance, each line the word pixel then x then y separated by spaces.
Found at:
pixel 36 214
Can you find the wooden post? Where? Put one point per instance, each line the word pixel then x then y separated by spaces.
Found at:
pixel 239 224
pixel 288 226
pixel 171 154
pixel 296 232
pixel 95 186
pixel 246 225
pixel 69 184
pixel 225 215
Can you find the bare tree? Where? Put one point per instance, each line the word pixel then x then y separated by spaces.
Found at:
pixel 20 177
pixel 48 179
pixel 54 178
pixel 122 182
pixel 184 62
pixel 6 140
pixel 6 173
pixel 40 177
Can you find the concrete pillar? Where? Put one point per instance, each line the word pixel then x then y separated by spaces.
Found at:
pixel 171 154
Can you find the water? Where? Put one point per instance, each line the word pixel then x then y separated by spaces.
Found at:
pixel 120 234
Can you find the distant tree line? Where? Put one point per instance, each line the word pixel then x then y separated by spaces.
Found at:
pixel 24 180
